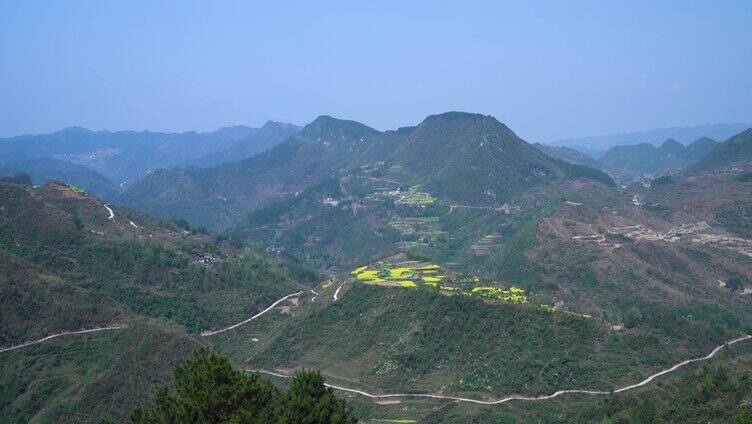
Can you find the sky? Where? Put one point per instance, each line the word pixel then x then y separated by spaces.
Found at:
pixel 547 69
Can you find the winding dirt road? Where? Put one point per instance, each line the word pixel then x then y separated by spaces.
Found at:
pixel 112 214
pixel 521 397
pixel 66 333
pixel 119 327
pixel 336 293
pixel 211 333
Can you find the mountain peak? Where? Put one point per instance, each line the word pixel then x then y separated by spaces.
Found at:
pixel 75 129
pixel 702 143
pixel 457 116
pixel 466 123
pixel 672 145
pixel 280 126
pixel 329 127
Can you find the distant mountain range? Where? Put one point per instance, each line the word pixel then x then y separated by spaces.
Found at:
pixel 736 150
pixel 627 163
pixel 645 158
pixel 596 146
pixel 123 155
pixel 460 156
pixel 568 154
pixel 266 137
pixel 103 161
pixel 42 169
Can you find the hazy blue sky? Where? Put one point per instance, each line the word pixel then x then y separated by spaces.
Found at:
pixel 549 70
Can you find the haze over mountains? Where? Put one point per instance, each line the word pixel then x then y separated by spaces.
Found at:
pixel 737 150
pixel 635 162
pixel 481 160
pixel 644 158
pixel 104 162
pixel 568 154
pixel 596 146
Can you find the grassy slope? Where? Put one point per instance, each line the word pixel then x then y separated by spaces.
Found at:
pixel 37 304
pixel 409 339
pixel 333 358
pixel 714 392
pixel 65 266
pixel 147 271
pixel 87 378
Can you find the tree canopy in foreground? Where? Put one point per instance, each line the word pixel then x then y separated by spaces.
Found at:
pixel 208 389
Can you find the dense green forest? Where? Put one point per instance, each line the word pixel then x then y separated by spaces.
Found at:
pixel 208 389
pixel 715 392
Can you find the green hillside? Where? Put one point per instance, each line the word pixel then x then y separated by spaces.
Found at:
pixel 67 265
pixel 714 392
pixel 482 160
pixel 218 197
pixel 414 339
pixel 645 158
pixel 737 149
pixel 88 378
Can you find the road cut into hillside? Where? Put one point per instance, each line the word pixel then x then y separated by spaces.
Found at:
pixel 522 397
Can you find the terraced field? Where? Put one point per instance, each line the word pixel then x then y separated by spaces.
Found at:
pixel 400 272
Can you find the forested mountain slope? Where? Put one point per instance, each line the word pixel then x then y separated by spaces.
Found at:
pixel 640 279
pixel 481 159
pixel 645 158
pixel 217 197
pixel 737 150
pixel 70 262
